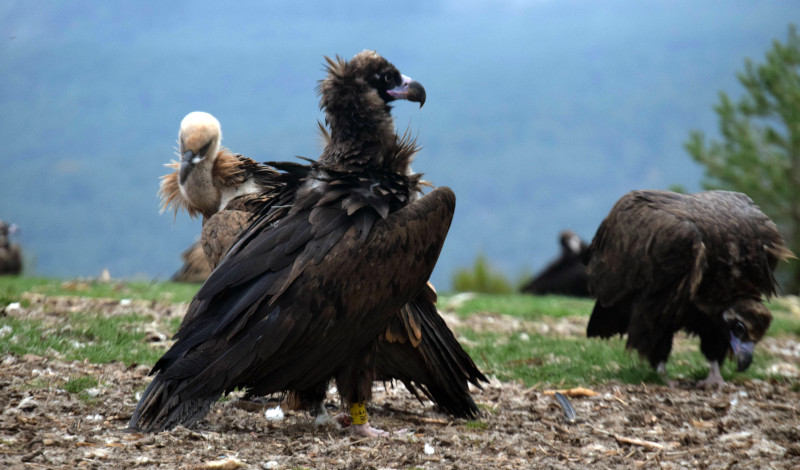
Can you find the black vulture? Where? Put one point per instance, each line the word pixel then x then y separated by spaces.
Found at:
pixel 417 347
pixel 565 275
pixel 316 281
pixel 663 261
pixel 10 253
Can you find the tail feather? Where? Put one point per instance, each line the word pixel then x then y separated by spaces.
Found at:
pixel 437 366
pixel 607 321
pixel 162 407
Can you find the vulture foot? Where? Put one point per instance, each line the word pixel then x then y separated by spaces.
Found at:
pixel 365 430
pixel 714 379
pixel 662 372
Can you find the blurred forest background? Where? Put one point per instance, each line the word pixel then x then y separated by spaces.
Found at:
pixel 540 114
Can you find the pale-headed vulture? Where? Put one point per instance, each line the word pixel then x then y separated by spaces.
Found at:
pixel 210 181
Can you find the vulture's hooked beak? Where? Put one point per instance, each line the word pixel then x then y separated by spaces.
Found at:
pixel 188 160
pixel 410 90
pixel 743 351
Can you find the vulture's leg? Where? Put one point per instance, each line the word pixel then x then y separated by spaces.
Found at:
pixel 355 387
pixel 661 368
pixel 714 347
pixel 311 400
pixel 658 357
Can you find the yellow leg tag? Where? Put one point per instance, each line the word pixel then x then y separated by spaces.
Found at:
pixel 358 413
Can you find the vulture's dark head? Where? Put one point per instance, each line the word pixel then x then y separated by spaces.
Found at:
pixel 6 231
pixel 389 83
pixel 365 84
pixel 747 320
pixel 385 79
pixel 198 140
pixel 572 243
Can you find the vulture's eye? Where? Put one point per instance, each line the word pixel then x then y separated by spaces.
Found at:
pixel 388 77
pixel 205 148
pixel 739 330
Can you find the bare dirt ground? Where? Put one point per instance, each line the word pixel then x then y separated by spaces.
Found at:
pixel 750 425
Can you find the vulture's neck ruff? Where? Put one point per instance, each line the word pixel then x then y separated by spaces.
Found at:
pixel 362 133
pixel 365 163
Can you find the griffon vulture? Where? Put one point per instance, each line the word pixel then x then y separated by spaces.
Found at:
pixel 565 275
pixel 663 261
pixel 211 181
pixel 315 282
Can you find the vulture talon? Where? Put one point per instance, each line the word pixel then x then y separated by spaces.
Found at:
pixel 714 379
pixel 365 430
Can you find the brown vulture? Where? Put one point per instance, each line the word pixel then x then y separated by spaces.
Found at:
pixel 10 253
pixel 195 268
pixel 567 274
pixel 663 261
pixel 321 277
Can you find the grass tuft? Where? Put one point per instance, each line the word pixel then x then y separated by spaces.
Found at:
pixel 477 425
pixel 86 336
pixel 79 384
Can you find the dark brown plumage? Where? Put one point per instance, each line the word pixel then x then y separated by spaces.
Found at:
pixel 10 253
pixel 417 348
pixel 663 261
pixel 566 275
pixel 307 290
